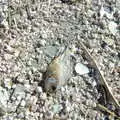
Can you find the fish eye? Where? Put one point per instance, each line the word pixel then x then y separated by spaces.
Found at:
pixel 53 88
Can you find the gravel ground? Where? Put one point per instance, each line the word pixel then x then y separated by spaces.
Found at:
pixel 31 34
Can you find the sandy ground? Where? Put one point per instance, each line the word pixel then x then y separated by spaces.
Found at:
pixel 31 34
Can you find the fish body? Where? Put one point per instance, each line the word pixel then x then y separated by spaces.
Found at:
pixel 58 71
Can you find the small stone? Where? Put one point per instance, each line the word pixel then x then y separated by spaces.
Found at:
pixel 43 96
pixel 41 115
pixel 19 91
pixel 1 17
pixel 14 86
pixel 5 24
pixel 88 2
pixel 2 112
pixel 57 108
pixel 112 27
pixel 13 98
pixel 8 48
pixel 103 44
pixel 4 96
pixel 27 87
pixel 62 89
pixel 16 53
pixel 94 84
pixel 49 115
pixel 19 98
pixel 109 15
pixel 81 69
pixel 118 54
pixel 39 89
pixel 34 108
pixel 34 69
pixel 112 65
pixel 102 12
pixel 26 82
pixel 20 79
pixel 8 56
pixel 68 108
pixel 51 51
pixel 17 102
pixel 109 41
pixel 33 99
pixel 74 49
pixel 8 83
pixel 20 115
pixel 44 35
pixel 90 103
pixel 42 42
pixel 90 13
pixel 23 103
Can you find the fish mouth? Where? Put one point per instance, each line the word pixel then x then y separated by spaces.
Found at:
pixel 51 84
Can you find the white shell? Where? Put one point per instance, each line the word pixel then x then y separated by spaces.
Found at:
pixel 81 69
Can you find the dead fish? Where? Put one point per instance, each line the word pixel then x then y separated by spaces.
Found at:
pixel 58 71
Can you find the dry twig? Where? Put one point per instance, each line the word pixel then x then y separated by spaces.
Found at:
pixel 107 110
pixel 102 79
pixel 9 13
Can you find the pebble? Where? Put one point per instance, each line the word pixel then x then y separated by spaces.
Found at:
pixel 27 87
pixel 68 106
pixel 21 115
pixel 1 17
pixel 19 91
pixel 81 69
pixel 57 108
pixel 43 42
pixel 39 89
pixel 5 24
pixel 8 56
pixel 16 53
pixel 44 35
pixel 94 84
pixel 33 99
pixel 112 27
pixel 8 83
pixel 43 96
pixel 4 96
pixel 103 13
pixel 111 64
pixel 14 86
pixel 23 103
pixel 74 49
pixel 17 102
pixel 49 115
pixel 109 41
pixel 51 51
pixel 2 112
pixel 20 79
